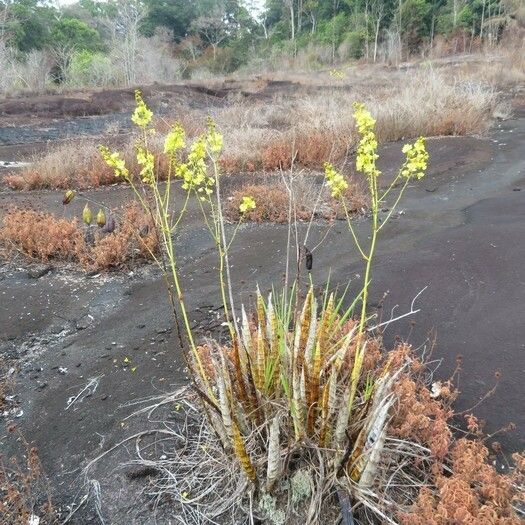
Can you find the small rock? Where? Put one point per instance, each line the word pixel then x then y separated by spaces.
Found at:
pixel 84 322
pixel 39 271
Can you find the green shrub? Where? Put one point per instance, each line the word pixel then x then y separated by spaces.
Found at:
pixel 87 68
pixel 352 46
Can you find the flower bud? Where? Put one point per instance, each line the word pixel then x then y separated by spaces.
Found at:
pixel 68 196
pixel 87 216
pixel 101 218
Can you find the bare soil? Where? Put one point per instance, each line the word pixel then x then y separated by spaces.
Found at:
pixel 459 233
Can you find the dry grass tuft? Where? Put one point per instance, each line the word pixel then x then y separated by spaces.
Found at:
pixel 272 200
pixel 313 129
pixel 431 105
pixel 44 237
pixel 272 204
pixel 77 165
pixel 24 489
pixel 72 165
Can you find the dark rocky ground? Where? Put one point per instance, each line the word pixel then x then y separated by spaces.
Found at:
pixel 460 233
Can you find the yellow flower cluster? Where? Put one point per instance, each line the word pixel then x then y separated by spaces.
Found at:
pixel 416 159
pixel 337 74
pixel 147 161
pixel 193 172
pixel 142 114
pixel 247 204
pixel 335 181
pixel 367 148
pixel 214 138
pixel 175 140
pixel 114 161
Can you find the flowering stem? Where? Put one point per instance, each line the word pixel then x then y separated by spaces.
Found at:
pixel 223 252
pixel 390 188
pixel 395 204
pixel 352 231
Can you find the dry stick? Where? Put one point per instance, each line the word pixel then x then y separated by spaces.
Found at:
pixel 394 319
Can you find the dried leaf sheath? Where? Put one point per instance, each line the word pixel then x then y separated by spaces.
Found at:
pixel 242 455
pixel 240 376
pixel 313 389
pixel 274 455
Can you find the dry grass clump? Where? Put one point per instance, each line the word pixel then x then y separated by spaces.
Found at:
pixel 313 129
pixel 76 165
pixel 304 129
pixel 24 490
pixel 503 68
pixel 272 204
pixel 309 197
pixel 71 165
pixel 431 105
pixel 44 237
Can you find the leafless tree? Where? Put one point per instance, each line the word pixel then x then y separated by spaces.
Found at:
pixel 62 55
pixel 124 30
pixel 213 28
pixel 377 13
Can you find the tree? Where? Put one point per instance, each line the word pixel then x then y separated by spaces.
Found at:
pixel 377 13
pixel 74 32
pixel 125 29
pixel 212 29
pixel 26 24
pixel 175 15
pixel 413 22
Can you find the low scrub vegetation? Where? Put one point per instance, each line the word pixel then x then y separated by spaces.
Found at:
pixel 319 128
pixel 43 237
pixel 44 46
pixel 24 488
pixel 75 165
pixel 303 132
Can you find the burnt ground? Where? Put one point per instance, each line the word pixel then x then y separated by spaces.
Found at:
pixel 459 233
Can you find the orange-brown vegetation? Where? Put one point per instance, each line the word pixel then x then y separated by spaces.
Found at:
pixel 44 237
pixel 464 487
pixel 304 128
pixel 272 201
pixel 24 489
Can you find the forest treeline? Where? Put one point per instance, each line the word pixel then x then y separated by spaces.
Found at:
pixel 121 42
